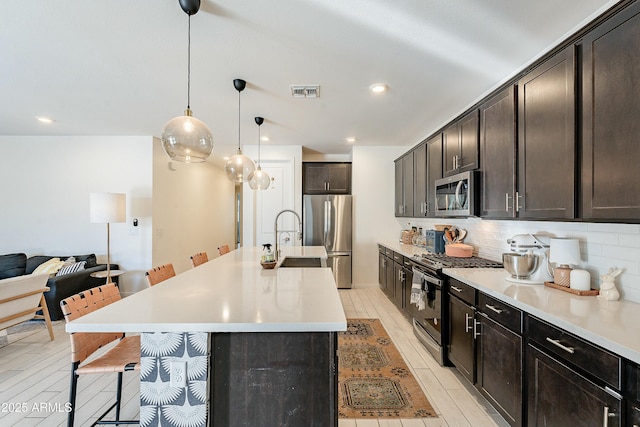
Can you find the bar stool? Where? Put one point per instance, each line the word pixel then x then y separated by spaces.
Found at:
pixel 125 356
pixel 198 259
pixel 224 249
pixel 159 274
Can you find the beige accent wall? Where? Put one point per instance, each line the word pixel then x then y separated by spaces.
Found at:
pixel 192 209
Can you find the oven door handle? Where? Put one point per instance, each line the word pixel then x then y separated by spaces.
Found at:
pixel 429 278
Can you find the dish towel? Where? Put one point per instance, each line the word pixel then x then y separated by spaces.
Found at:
pixel 417 293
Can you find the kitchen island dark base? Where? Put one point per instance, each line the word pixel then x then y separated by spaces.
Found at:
pixel 274 379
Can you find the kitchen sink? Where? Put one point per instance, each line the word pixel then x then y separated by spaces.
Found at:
pixel 300 262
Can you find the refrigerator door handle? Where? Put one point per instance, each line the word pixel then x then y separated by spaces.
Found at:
pixel 327 218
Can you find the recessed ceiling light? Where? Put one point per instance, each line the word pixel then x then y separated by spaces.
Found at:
pixel 378 87
pixel 350 139
pixel 43 119
pixel 264 138
pixel 225 158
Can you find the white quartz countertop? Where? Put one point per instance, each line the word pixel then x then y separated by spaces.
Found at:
pixel 613 325
pixel 231 293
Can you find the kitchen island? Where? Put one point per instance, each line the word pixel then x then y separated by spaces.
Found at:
pixel 260 345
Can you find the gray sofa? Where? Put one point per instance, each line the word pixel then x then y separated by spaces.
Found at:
pixel 60 287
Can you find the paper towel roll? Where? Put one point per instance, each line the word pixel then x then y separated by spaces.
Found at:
pixel 580 280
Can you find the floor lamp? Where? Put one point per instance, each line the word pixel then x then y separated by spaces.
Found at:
pixel 107 208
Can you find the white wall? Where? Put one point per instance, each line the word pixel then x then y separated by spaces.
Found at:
pixel 373 189
pixel 193 210
pixel 45 198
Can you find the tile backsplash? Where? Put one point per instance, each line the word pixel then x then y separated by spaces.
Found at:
pixel 602 246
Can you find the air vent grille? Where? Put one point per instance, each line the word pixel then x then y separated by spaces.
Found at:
pixel 305 91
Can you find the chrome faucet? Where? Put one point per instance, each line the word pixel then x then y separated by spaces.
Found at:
pixel 275 229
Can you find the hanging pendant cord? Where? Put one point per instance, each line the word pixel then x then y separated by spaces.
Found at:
pixel 238 120
pixel 258 145
pixel 189 67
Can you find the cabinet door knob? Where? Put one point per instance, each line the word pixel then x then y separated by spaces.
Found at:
pixel 606 416
pixel 476 329
pixel 506 202
pixel 467 325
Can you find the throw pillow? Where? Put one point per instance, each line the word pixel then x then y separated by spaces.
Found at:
pixel 50 267
pixel 72 268
pixel 69 261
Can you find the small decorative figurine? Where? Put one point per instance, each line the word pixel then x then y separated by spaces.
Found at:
pixel 608 289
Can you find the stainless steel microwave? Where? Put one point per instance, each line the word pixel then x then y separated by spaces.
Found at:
pixel 457 195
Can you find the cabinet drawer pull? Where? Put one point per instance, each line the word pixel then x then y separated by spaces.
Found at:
pixel 494 309
pixel 456 289
pixel 564 347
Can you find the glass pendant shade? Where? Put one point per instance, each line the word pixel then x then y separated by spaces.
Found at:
pixel 187 139
pixel 239 167
pixel 259 179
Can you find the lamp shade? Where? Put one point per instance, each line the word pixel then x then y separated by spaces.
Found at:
pixel 107 207
pixel 564 251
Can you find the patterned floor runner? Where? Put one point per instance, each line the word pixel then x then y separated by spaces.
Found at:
pixel 374 381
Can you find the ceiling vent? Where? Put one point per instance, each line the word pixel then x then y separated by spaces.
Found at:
pixel 305 91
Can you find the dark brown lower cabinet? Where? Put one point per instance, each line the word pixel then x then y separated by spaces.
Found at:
pixel 558 396
pixel 274 379
pixel 461 344
pixel 499 369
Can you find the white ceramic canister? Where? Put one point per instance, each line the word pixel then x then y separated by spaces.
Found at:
pixel 580 280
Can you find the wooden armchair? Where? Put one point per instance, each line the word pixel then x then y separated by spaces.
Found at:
pixel 159 274
pixel 21 297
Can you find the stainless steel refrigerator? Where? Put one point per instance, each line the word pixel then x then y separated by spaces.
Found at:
pixel 327 222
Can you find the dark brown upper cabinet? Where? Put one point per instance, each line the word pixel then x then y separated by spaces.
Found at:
pixel 404 185
pixel 460 145
pixel 547 139
pixel 498 155
pixel 611 119
pixel 326 178
pixel 427 167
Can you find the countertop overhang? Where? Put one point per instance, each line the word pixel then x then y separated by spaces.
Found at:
pixel 231 293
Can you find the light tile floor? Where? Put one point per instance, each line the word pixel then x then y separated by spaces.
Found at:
pixel 34 378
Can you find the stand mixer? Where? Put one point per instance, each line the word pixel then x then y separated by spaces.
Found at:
pixel 533 248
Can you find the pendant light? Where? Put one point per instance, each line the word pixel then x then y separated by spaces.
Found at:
pixel 239 166
pixel 185 138
pixel 259 179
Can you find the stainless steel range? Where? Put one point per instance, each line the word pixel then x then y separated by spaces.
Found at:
pixel 430 309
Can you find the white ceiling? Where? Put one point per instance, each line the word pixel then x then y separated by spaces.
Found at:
pixel 119 67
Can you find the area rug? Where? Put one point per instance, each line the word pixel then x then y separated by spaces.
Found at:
pixel 20 331
pixel 373 380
